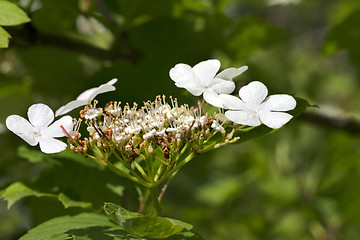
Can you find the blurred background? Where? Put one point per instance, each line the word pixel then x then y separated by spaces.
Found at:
pixel 300 183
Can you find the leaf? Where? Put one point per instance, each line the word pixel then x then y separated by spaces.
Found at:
pixel 117 189
pixel 34 156
pixel 145 225
pixel 67 202
pixel 4 38
pixel 11 14
pixel 18 190
pixel 89 226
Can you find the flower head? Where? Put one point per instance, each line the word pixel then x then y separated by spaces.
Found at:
pixel 202 79
pixel 253 108
pixel 86 96
pixel 38 129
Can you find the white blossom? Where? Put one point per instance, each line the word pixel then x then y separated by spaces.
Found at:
pixel 253 108
pixel 202 79
pixel 86 96
pixel 37 129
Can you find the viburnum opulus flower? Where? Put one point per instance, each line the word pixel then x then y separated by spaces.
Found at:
pixel 86 96
pixel 153 141
pixel 38 129
pixel 253 108
pixel 202 79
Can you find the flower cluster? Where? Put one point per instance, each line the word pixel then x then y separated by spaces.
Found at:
pixel 148 144
pixel 251 110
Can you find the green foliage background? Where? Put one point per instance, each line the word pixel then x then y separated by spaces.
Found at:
pixel 300 183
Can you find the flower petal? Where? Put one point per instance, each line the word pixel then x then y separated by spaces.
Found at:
pixel 274 119
pixel 253 94
pixel 232 102
pixel 51 145
pixel 70 106
pixel 86 96
pixel 230 73
pixel 184 77
pixel 40 115
pixel 210 96
pixel 223 86
pixel 107 87
pixel 243 117
pixel 21 127
pixel 207 69
pixel 279 102
pixel 181 72
pixel 54 130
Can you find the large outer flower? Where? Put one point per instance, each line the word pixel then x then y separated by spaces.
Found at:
pixel 86 96
pixel 38 129
pixel 254 108
pixel 202 79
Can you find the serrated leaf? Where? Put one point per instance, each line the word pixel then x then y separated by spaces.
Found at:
pixel 90 226
pixel 18 190
pixel 4 38
pixel 145 225
pixel 11 14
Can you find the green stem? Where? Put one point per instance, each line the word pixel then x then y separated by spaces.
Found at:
pixel 141 170
pixel 124 174
pixel 155 201
pixel 129 167
pixel 163 189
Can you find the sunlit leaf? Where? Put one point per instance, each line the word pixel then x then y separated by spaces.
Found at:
pixel 90 226
pixel 11 14
pixel 145 225
pixel 18 190
pixel 4 38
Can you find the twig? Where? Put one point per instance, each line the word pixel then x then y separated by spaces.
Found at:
pixel 345 124
pixel 28 36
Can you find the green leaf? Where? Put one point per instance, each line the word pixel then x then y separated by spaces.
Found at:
pixel 34 156
pixel 89 226
pixel 4 38
pixel 145 225
pixel 18 190
pixel 10 14
pixel 67 202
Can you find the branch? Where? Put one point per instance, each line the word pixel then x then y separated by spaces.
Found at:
pixel 349 125
pixel 28 36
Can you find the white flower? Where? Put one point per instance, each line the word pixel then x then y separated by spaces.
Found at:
pixel 253 109
pixel 38 129
pixel 86 96
pixel 202 79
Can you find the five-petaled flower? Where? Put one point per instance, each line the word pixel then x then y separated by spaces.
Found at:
pixel 202 79
pixel 38 129
pixel 86 96
pixel 254 108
